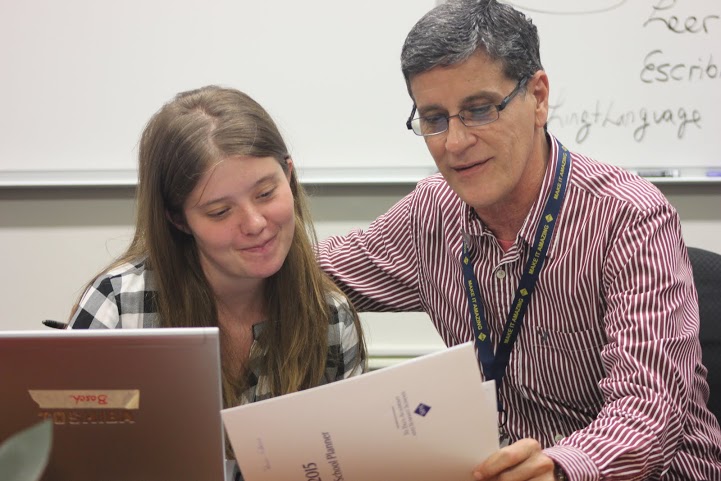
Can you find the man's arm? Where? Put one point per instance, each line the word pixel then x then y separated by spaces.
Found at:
pixel 376 268
pixel 651 324
pixel 650 357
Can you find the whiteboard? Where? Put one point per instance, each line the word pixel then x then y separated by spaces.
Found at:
pixel 635 83
pixel 80 78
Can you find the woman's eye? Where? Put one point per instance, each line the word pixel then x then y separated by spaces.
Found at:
pixel 217 213
pixel 266 194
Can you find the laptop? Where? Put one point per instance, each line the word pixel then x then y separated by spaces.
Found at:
pixel 126 404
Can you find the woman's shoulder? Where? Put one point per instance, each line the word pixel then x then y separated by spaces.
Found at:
pixel 117 298
pixel 128 268
pixel 127 276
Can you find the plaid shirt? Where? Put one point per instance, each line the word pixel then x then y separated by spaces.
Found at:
pixel 124 298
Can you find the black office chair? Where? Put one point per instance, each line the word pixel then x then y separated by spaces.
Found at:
pixel 707 278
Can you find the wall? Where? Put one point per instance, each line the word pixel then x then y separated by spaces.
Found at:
pixel 53 240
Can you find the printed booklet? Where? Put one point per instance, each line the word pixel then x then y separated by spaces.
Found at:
pixel 426 419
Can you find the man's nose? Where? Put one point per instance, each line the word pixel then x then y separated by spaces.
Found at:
pixel 458 136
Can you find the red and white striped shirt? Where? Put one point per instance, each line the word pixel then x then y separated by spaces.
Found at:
pixel 606 370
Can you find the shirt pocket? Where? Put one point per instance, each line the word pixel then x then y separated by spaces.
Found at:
pixel 561 370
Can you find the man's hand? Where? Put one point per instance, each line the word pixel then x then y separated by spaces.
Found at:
pixel 522 460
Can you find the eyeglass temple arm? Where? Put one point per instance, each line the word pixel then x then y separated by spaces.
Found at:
pixel 410 118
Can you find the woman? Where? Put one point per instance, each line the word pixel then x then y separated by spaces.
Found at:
pixel 223 238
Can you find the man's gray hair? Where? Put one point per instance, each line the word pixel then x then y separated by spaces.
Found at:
pixel 453 31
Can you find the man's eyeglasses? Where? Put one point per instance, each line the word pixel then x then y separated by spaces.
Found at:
pixel 473 117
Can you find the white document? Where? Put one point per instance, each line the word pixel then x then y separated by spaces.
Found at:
pixel 427 419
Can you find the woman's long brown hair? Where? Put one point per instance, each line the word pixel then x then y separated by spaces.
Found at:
pixel 180 142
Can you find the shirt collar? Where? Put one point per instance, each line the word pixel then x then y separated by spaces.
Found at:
pixel 471 223
pixel 533 219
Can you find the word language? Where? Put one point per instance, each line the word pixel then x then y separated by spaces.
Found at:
pixel 638 121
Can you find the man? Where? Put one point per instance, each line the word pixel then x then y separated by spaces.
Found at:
pixel 571 276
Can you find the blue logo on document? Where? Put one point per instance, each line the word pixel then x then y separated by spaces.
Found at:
pixel 422 409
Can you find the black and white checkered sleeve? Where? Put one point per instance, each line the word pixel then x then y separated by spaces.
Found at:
pixel 121 298
pixel 97 308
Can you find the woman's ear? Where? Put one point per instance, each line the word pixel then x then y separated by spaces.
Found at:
pixel 177 222
pixel 289 168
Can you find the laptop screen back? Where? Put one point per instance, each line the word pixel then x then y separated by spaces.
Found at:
pixel 125 404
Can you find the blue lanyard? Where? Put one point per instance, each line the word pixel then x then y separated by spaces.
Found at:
pixel 494 366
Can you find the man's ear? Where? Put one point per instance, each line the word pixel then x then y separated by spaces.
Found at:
pixel 177 222
pixel 540 90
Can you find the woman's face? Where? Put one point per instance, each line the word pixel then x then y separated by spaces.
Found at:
pixel 242 218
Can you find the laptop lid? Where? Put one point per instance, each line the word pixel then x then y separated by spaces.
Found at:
pixel 126 404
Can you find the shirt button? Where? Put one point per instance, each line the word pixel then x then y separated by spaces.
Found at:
pixel 558 437
pixel 500 274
